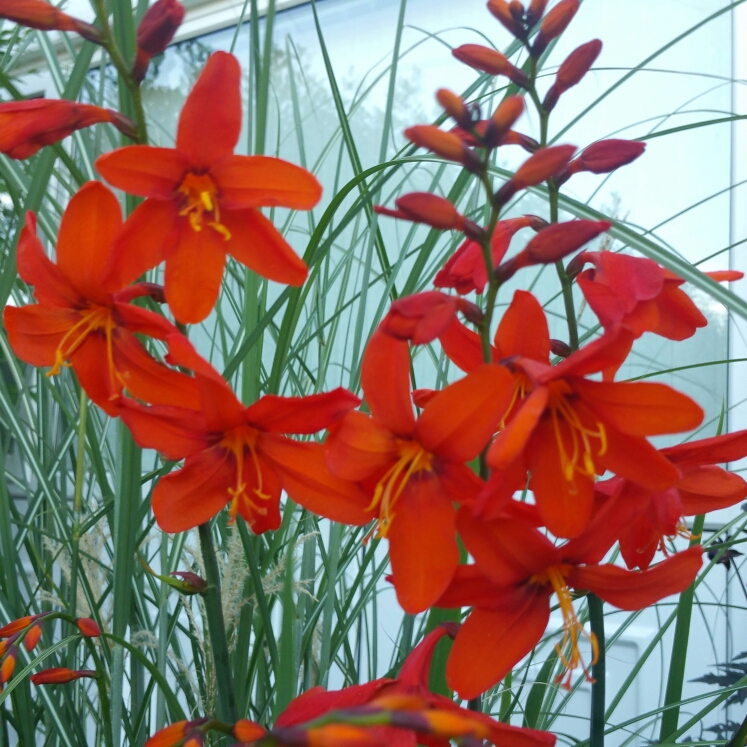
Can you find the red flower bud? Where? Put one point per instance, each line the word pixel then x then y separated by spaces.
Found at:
pixel 88 627
pixel 504 117
pixel 444 144
pixel 607 155
pixel 155 33
pixel 248 731
pixel 560 348
pixel 16 625
pixel 540 167
pixel 32 637
pixel 37 14
pixel 489 61
pixel 8 665
pixel 573 69
pixel 535 11
pixel 190 583
pixel 502 11
pixel 455 107
pixel 517 10
pixel 435 211
pixel 60 676
pixel 420 318
pixel 554 24
pixel 27 126
pixel 560 239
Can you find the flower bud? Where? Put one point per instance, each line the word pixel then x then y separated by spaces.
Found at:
pixel 444 144
pixel 573 69
pixel 504 117
pixel 8 664
pixel 512 137
pixel 554 24
pixel 17 625
pixel 560 239
pixel 248 731
pixel 188 582
pixel 607 155
pixel 502 11
pixel 424 207
pixel 489 61
pixel 38 14
pixel 88 627
pixel 517 10
pixel 540 167
pixel 32 637
pixel 61 676
pixel 560 348
pixel 455 107
pixel 155 33
pixel 534 11
pixel 420 318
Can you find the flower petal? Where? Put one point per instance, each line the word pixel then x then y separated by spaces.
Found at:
pixel 258 245
pixel 263 181
pixel 490 643
pixel 143 242
pixel 144 170
pixel 196 493
pixel 640 408
pixel 210 121
pixel 259 505
pixel 173 431
pixel 523 329
pixel 385 379
pixel 512 440
pixel 634 590
pixel 725 448
pixel 304 415
pixel 710 488
pixel 90 363
pixel 86 237
pixel 35 332
pixel 51 287
pixel 459 421
pixel 357 447
pixel 462 347
pixel 147 379
pixel 422 570
pixel 194 273
pixel 307 480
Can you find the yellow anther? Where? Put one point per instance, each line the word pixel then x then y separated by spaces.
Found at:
pixel 200 196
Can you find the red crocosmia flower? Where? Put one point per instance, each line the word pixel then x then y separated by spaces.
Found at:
pixel 236 455
pixel 636 293
pixel 174 734
pixel 517 569
pixel 27 126
pixel 38 14
pixel 413 469
pixel 202 200
pixel 702 487
pixel 432 718
pixel 77 322
pixel 61 676
pixel 465 269
pixel 567 429
pixel 422 317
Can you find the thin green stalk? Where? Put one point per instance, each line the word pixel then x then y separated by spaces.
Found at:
pixel 678 658
pixel 596 621
pixel 740 737
pixel 226 706
pixel 101 683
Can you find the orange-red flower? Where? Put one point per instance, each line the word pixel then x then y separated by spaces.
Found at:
pixel 236 455
pixel 564 428
pixel 414 470
pixel 701 488
pixel 77 322
pixel 27 126
pixel 517 569
pixel 202 200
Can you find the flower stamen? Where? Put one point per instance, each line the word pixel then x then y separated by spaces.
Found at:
pixel 200 197
pixel 236 443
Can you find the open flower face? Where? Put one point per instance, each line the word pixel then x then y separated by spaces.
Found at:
pixel 202 200
pixel 78 323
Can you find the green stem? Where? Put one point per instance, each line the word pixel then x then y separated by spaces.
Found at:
pixel 226 706
pixel 103 693
pixel 596 620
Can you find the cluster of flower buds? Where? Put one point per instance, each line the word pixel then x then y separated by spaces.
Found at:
pixel 27 631
pixel 28 126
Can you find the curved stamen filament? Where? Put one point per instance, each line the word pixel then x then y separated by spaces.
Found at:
pixel 200 197
pixel 520 390
pixel 561 410
pixel 236 443
pixel 573 629
pixel 681 530
pixel 412 458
